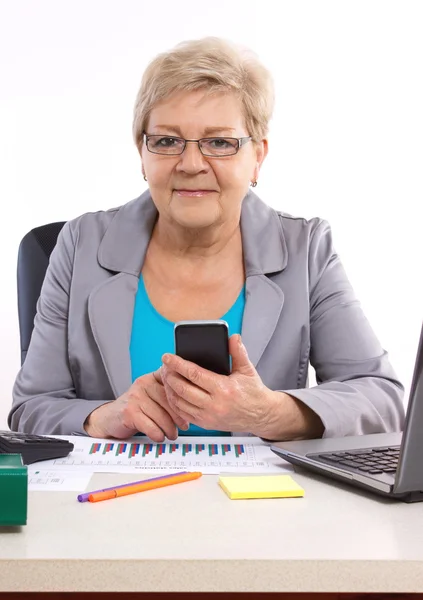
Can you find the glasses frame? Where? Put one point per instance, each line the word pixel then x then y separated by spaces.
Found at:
pixel 241 142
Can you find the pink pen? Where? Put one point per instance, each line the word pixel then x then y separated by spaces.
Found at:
pixel 84 497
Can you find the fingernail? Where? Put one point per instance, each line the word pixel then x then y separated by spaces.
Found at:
pixel 166 358
pixel 185 426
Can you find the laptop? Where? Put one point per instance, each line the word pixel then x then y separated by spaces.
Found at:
pixel 389 464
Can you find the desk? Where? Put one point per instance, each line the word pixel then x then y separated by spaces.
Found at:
pixel 191 537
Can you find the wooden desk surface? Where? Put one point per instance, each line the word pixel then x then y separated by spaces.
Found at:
pixel 191 537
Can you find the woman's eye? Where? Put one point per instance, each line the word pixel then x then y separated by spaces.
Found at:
pixel 220 143
pixel 166 141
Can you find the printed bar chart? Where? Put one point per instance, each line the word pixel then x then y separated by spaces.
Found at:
pixel 147 448
pixel 199 448
pixel 226 448
pixel 207 454
pixel 213 451
pixel 108 448
pixel 121 449
pixel 186 449
pixel 134 449
pixel 95 448
pixel 239 450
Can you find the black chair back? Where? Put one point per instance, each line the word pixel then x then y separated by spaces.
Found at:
pixel 33 258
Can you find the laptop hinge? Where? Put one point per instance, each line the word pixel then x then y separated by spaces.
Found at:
pixel 413 497
pixel 374 483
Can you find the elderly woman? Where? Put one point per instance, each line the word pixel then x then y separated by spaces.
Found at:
pixel 200 245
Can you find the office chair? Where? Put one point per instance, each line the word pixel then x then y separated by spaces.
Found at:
pixel 33 258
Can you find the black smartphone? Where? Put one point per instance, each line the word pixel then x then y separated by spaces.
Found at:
pixel 205 343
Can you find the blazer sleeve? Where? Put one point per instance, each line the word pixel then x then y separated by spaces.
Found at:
pixel 44 398
pixel 358 391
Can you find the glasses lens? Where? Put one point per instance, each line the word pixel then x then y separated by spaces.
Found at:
pixel 163 144
pixel 219 146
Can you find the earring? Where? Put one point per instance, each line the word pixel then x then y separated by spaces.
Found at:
pixel 145 178
pixel 253 184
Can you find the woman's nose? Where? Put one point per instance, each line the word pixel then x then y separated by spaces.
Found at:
pixel 191 159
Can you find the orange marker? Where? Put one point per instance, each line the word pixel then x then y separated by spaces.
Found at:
pixel 143 487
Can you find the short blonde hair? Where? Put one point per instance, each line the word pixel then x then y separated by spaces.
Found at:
pixel 212 64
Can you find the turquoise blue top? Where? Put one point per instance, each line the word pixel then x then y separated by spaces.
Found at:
pixel 152 336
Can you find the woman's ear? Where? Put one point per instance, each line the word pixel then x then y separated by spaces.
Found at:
pixel 262 148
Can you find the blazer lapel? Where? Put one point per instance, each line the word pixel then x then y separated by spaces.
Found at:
pixel 265 253
pixel 111 303
pixel 110 310
pixel 263 306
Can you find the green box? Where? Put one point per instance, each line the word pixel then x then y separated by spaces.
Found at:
pixel 13 490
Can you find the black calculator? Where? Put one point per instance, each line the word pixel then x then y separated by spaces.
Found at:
pixel 33 447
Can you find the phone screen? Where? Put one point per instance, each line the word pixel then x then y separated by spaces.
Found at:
pixel 205 344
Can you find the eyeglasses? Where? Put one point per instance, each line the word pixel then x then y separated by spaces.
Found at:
pixel 213 146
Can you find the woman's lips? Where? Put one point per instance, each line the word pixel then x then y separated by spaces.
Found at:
pixel 194 193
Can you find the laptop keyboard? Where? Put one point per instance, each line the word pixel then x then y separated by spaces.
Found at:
pixel 371 460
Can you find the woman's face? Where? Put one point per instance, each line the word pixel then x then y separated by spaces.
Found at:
pixel 194 190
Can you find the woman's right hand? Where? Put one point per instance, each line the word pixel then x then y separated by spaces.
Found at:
pixel 144 407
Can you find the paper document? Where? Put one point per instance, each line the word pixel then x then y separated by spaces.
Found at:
pixel 211 455
pixel 44 480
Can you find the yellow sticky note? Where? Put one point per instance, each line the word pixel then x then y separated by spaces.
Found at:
pixel 260 486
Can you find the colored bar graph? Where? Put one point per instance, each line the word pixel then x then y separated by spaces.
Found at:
pixel 239 450
pixel 164 450
pixel 107 448
pixel 95 448
pixel 135 448
pixel 186 449
pixel 120 449
pixel 213 450
pixel 226 448
pixel 160 449
pixel 147 449
pixel 199 448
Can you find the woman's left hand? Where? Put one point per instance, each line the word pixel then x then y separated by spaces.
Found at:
pixel 238 402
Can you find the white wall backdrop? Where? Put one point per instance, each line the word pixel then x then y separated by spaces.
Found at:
pixel 345 143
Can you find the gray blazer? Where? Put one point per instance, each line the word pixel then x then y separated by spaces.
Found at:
pixel 299 307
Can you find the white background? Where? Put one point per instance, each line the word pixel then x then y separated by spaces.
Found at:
pixel 346 139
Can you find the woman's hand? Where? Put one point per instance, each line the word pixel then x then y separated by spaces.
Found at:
pixel 144 407
pixel 238 402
